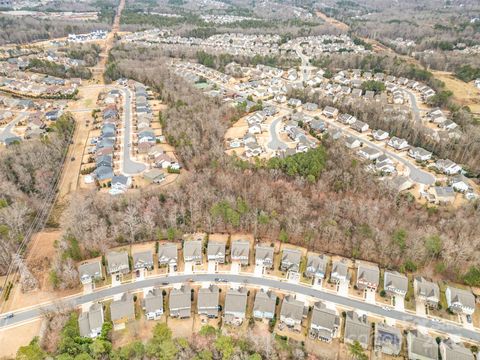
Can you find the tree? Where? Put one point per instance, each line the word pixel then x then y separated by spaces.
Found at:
pixel 224 344
pixel 399 238
pixel 433 245
pixel 373 85
pixel 356 351
pixel 100 348
pixel 32 351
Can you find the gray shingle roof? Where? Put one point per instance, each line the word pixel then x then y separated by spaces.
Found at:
pixel 91 269
pixel 388 338
pixel 291 259
pixel 395 280
pixel 180 302
pixel 357 328
pixel 236 301
pixel 154 300
pixel 207 302
pixel 421 345
pixel 142 259
pixel 265 301
pixel 316 264
pixel 117 261
pixel 323 317
pixel 264 253
pixel 123 308
pixel 192 249
pixel 292 308
pixel 167 253
pixel 93 319
pixel 240 248
pixel 454 351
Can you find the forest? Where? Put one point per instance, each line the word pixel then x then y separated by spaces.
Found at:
pixel 26 174
pixel 346 211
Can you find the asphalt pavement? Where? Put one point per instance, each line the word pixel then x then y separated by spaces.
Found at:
pixel 6 131
pixel 130 167
pixel 246 279
pixel 275 142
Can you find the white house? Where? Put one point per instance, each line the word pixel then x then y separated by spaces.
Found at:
pixel 397 143
pixel 447 167
pixel 380 135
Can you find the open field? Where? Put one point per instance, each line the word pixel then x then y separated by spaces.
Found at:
pixel 464 93
pixel 13 338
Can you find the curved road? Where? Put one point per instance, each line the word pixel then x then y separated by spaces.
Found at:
pixel 6 131
pixel 130 167
pixel 275 142
pixel 413 101
pixel 250 279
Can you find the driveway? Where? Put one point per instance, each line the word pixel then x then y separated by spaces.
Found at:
pixel 275 142
pixel 399 303
pixel 130 167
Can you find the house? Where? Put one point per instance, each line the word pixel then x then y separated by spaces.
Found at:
pixel 387 339
pixel 459 183
pixel 154 176
pixel 317 125
pixel 208 300
pixel 448 125
pixel 122 311
pixel 240 251
pixel 235 305
pixel 359 126
pixel 153 304
pixel 400 183
pixel 325 323
pixel 397 143
pixel 369 153
pixel 264 256
pixel 121 183
pixel 163 161
pixel 330 112
pixel 421 347
pixel 264 305
pixel 443 194
pixel 316 266
pixel 347 119
pixel 291 312
pixel 90 323
pixel 90 271
pixel 447 167
pixel 310 107
pixel 167 254
pixel 339 272
pixel 460 301
pixel 117 262
pixel 104 174
pixel 216 252
pixel 419 154
pixel 380 135
pixel 143 260
pixel 395 283
pixel 426 291
pixel 180 302
pixel 368 276
pixel 294 102
pixel 192 251
pixel 450 350
pixel 384 165
pixel 352 142
pixel 357 328
pixel 291 260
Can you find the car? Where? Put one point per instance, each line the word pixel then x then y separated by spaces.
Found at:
pixel 386 308
pixel 9 316
pixel 469 319
pixel 165 283
pixel 72 158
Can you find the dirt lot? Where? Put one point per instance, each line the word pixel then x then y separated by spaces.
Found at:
pixel 13 338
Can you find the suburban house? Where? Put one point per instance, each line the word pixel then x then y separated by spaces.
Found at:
pixel 325 323
pixel 421 347
pixel 90 271
pixel 122 311
pixel 352 142
pixel 180 302
pixel 291 312
pixel 264 256
pixel 395 283
pixel 359 126
pixel 459 183
pixel 339 272
pixel 347 119
pixel 90 323
pixel 388 339
pixel 117 263
pixel 357 328
pixel 330 111
pixel 316 266
pixel 380 135
pixel 368 276
pixel 143 260
pixel 369 153
pixel 192 251
pixel 447 167
pixel 235 306
pixel 167 254
pixel 397 143
pixel 208 300
pixel 216 252
pixel 240 251
pixel 460 301
pixel 419 154
pixel 154 176
pixel 450 350
pixel 291 260
pixel 443 194
pixel 427 291
pixel 264 305
pixel 153 304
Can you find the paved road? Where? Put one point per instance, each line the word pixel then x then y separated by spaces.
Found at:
pixel 415 173
pixel 450 329
pixel 6 131
pixel 130 167
pixel 275 142
pixel 413 102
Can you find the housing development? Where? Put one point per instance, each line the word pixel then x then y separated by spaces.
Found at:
pixel 239 180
